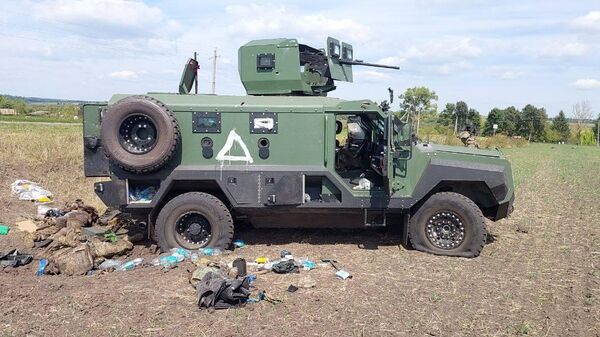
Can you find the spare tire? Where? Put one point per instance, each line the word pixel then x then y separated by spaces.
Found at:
pixel 140 134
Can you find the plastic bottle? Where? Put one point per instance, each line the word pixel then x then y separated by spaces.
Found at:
pixel 108 264
pixel 208 251
pixel 181 251
pixel 42 267
pixel 130 265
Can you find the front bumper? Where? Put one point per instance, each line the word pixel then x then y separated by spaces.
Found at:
pixel 505 209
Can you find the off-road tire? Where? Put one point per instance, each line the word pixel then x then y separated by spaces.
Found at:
pixel 167 137
pixel 473 220
pixel 207 205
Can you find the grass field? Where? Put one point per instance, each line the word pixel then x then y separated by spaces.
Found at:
pixel 539 275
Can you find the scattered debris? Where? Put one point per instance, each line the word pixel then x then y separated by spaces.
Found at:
pixel 284 267
pixel 261 260
pixel 208 251
pixel 342 274
pixel 27 190
pixel 292 288
pixel 27 226
pixel 199 273
pixel 109 264
pixel 110 249
pixel 130 265
pixel 4 230
pixel 15 259
pixel 98 231
pixel 42 267
pixel 240 265
pixel 73 261
pixel 218 292
pixel 239 244
pixel 308 264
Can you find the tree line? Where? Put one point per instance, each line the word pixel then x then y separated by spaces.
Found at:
pixel 530 122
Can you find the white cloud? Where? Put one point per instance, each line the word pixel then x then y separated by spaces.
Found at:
pixel 510 75
pixel 454 67
pixel 569 49
pixel 447 55
pixel 124 75
pixel 445 49
pixel 269 19
pixel 504 72
pixel 586 84
pixel 589 22
pixel 391 60
pixel 105 18
pixel 370 75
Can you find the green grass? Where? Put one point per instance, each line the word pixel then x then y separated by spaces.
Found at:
pixel 567 159
pixel 43 119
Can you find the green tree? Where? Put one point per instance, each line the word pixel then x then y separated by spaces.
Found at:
pixel 561 126
pixel 20 106
pixel 447 116
pixel 474 121
pixel 496 116
pixel 459 116
pixel 511 119
pixel 586 137
pixel 531 123
pixel 595 130
pixel 6 103
pixel 418 101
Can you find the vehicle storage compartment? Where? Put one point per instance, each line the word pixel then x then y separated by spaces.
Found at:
pixel 319 189
pixel 141 191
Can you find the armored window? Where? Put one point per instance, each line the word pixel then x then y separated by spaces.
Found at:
pixel 334 49
pixel 265 62
pixel 206 122
pixel 347 53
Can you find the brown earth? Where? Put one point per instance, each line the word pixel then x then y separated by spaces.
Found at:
pixel 539 275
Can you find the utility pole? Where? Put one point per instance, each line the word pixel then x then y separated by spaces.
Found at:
pixel 214 71
pixel 456 124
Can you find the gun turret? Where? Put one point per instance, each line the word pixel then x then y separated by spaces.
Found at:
pixel 285 67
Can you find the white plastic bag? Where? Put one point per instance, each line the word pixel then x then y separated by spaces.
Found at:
pixel 27 190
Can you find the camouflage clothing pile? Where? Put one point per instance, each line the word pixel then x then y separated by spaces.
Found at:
pixel 75 238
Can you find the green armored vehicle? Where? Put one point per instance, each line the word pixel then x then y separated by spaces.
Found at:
pixel 285 155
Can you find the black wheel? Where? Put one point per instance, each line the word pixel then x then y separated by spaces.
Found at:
pixel 448 224
pixel 140 134
pixel 194 220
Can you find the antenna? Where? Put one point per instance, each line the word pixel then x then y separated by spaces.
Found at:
pixel 196 78
pixel 214 70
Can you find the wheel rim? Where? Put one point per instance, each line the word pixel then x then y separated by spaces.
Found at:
pixel 445 230
pixel 137 134
pixel 192 230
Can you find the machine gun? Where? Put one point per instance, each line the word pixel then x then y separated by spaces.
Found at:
pixel 286 67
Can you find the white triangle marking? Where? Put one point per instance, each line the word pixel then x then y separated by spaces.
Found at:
pixel 224 152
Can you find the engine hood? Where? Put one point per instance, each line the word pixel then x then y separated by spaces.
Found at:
pixel 430 147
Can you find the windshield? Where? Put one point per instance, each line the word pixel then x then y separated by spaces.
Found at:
pixel 401 132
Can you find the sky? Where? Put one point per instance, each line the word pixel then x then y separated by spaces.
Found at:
pixel 487 53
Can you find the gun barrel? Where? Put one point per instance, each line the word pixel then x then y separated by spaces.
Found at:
pixel 361 63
